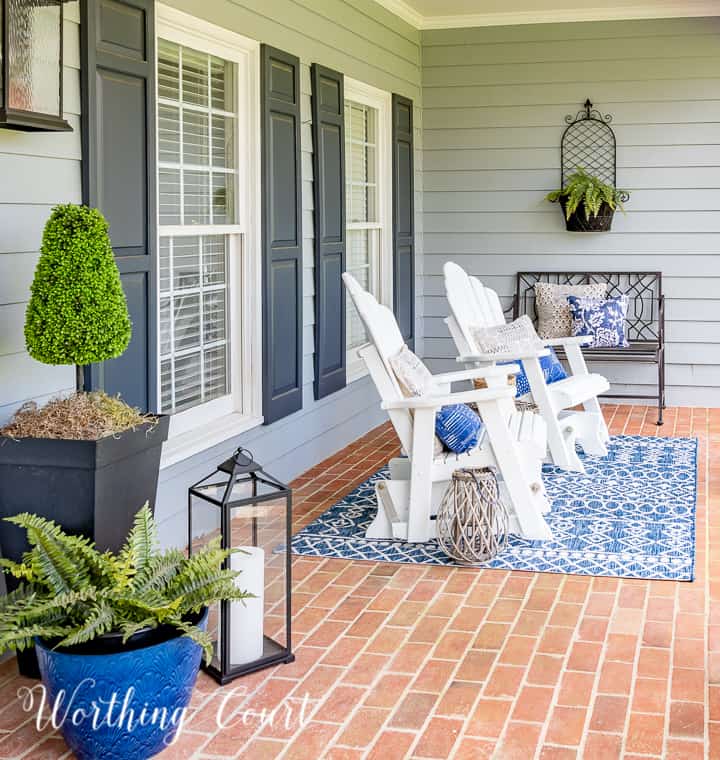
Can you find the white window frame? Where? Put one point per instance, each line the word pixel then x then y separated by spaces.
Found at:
pixel 381 100
pixel 196 429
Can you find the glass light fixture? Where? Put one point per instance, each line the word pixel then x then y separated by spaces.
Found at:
pixel 31 65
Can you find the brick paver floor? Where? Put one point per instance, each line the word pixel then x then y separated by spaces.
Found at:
pixel 397 661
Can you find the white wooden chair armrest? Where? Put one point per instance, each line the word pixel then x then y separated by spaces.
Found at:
pixel 470 374
pixel 578 340
pixel 461 397
pixel 508 357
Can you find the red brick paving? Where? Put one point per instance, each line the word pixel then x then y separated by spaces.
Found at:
pixel 411 661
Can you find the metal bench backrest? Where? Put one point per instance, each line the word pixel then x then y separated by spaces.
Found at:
pixel 643 289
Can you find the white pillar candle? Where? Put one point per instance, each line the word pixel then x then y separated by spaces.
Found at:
pixel 246 617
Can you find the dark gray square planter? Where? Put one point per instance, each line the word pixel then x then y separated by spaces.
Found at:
pixel 92 488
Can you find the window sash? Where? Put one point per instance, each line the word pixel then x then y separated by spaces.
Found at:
pixel 174 175
pixel 205 385
pixel 200 293
pixel 376 179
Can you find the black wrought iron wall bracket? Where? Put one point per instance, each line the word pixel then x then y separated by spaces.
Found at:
pixel 589 142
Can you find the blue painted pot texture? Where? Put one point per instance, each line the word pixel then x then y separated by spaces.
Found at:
pixel 121 706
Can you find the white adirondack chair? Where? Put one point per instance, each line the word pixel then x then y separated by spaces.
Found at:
pixel 472 304
pixel 513 444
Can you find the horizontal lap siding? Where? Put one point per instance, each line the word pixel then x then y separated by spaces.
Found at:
pixel 39 171
pixel 365 42
pixel 494 100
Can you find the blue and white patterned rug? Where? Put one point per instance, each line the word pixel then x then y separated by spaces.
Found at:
pixel 632 515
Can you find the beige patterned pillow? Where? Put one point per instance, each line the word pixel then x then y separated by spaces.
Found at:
pixel 414 379
pixel 553 310
pixel 516 337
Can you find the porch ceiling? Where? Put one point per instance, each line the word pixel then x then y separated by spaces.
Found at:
pixel 443 14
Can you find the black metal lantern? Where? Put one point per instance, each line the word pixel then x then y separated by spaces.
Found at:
pixel 31 65
pixel 252 513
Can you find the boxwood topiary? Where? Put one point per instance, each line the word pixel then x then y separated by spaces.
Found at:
pixel 77 312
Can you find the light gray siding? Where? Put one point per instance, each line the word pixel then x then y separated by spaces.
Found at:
pixel 494 100
pixel 39 170
pixel 365 42
pixel 356 37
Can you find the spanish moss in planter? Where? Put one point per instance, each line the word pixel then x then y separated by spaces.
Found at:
pixel 86 461
pixel 587 202
pixel 118 636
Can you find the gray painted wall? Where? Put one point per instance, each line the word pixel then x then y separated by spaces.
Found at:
pixel 365 42
pixel 39 170
pixel 356 37
pixel 494 100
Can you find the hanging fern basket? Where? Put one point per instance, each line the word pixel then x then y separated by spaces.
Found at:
pixel 577 222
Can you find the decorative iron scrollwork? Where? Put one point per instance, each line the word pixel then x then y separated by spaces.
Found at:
pixel 589 142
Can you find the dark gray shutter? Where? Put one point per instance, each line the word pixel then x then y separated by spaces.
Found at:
pixel 403 217
pixel 328 115
pixel 282 234
pixel 118 171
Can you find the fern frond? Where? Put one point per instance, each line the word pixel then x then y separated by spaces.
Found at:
pixel 142 541
pixel 26 520
pixel 16 569
pixel 83 552
pixel 148 605
pixel 8 601
pixel 159 571
pixel 98 622
pixel 128 629
pixel 200 637
pixel 32 610
pixel 72 592
pixel 25 637
pixel 49 562
pixel 591 192
pixel 198 566
pixel 207 593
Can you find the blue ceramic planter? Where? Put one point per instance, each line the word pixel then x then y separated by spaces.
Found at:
pixel 122 706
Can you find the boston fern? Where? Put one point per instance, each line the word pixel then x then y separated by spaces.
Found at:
pixel 70 593
pixel 586 189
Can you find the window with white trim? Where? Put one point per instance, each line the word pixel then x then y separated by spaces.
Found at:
pixel 196 177
pixel 368 194
pixel 208 175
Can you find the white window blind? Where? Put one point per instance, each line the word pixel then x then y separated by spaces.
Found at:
pixel 363 227
pixel 197 180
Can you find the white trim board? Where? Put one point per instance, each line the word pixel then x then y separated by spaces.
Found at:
pixel 647 10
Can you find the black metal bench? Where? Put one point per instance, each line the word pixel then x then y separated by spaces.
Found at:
pixel 645 318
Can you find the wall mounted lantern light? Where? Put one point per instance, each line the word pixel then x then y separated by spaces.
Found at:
pixel 31 65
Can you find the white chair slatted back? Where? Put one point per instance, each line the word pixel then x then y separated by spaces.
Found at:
pixel 471 305
pixel 379 321
pixel 385 383
pixel 386 340
pixel 489 304
pixel 464 304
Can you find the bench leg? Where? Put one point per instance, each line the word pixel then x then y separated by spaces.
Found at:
pixel 661 387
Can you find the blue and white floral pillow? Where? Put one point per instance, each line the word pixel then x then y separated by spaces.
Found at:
pixel 552 368
pixel 601 319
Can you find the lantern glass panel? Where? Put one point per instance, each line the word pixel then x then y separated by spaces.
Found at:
pixel 206 527
pixel 259 529
pixel 242 489
pixel 34 56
